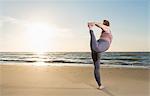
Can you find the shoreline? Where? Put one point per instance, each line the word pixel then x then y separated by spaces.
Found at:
pixel 75 65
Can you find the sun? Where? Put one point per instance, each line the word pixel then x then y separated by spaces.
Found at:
pixel 39 36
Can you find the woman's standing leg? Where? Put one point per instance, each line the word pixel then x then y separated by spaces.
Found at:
pixel 96 60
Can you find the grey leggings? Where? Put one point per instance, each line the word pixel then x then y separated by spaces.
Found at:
pixel 97 47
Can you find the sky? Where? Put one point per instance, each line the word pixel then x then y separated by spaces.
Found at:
pixel 61 25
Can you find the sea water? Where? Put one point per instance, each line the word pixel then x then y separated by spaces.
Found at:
pixel 120 59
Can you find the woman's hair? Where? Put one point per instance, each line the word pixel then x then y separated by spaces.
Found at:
pixel 106 22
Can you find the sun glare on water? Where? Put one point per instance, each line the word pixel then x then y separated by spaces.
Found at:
pixel 39 36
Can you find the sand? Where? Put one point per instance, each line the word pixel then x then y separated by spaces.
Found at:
pixel 18 80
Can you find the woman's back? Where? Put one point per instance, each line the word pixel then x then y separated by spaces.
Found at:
pixel 106 36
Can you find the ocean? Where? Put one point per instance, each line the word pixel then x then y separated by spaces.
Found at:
pixel 126 59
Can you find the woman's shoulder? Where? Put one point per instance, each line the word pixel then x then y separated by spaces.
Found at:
pixel 107 30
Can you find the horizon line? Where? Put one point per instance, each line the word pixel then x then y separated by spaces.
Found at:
pixel 64 51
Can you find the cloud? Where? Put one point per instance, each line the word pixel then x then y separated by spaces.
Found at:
pixel 26 23
pixel 36 25
pixel 8 19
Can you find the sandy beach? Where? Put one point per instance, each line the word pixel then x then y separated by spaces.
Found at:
pixel 18 80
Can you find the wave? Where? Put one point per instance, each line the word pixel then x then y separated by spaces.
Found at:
pixel 130 59
pixel 52 61
pixel 19 60
pixel 62 61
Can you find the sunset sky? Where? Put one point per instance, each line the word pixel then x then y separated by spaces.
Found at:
pixel 61 25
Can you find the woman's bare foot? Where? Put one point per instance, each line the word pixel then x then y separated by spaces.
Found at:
pixel 90 25
pixel 101 87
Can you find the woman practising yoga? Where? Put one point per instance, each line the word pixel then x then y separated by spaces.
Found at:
pixel 99 46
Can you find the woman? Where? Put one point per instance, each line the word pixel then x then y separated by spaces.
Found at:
pixel 99 46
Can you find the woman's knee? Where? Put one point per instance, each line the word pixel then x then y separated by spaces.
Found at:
pixel 96 67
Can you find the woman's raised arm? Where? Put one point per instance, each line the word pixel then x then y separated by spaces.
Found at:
pixel 103 27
